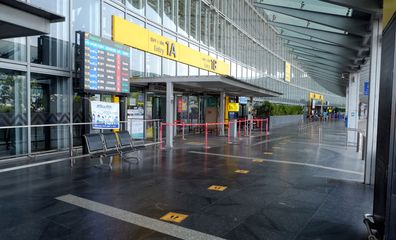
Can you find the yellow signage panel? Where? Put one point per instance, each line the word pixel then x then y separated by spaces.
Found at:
pixel 174 217
pixel 287 72
pixel 389 9
pixel 217 188
pixel 242 171
pixel 315 96
pixel 233 107
pixel 135 36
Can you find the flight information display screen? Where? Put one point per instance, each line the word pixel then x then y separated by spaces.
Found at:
pixel 105 65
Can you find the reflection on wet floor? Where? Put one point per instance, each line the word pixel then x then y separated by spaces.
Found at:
pixel 293 184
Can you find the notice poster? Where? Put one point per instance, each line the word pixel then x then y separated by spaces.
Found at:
pixel 136 115
pixel 105 115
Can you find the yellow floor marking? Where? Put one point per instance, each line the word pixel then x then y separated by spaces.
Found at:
pixel 276 147
pixel 268 153
pixel 258 160
pixel 195 143
pixel 217 188
pixel 242 171
pixel 282 143
pixel 174 217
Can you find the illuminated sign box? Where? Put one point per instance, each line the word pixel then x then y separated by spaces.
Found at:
pixel 104 65
pixel 135 36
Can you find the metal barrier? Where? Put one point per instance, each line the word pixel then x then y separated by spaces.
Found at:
pixel 248 126
pixel 71 149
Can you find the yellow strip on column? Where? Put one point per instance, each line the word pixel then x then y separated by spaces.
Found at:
pixel 389 11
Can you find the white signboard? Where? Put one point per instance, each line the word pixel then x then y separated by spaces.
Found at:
pixel 105 115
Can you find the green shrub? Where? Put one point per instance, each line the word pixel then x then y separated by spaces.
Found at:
pixel 275 109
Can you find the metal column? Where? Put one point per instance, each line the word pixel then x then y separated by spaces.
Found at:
pixel 169 114
pixel 353 106
pixel 372 117
pixel 221 112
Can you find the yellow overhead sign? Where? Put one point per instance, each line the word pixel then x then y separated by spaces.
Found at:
pixel 315 96
pixel 233 107
pixel 287 72
pixel 135 36
pixel 389 10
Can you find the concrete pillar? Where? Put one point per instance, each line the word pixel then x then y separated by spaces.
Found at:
pixel 353 106
pixel 169 113
pixel 372 112
pixel 221 112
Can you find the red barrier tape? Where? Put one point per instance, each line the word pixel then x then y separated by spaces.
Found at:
pixel 239 122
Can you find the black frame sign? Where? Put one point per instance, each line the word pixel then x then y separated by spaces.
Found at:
pixel 103 65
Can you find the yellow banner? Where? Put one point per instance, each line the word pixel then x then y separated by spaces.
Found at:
pixel 315 96
pixel 389 11
pixel 287 72
pixel 233 107
pixel 135 36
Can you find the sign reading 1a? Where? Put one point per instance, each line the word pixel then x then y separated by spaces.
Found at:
pixel 170 49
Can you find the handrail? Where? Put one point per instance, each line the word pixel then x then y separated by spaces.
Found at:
pixel 51 125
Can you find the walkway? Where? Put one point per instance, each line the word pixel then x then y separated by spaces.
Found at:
pixel 292 185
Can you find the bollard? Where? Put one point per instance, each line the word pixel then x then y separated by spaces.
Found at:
pixel 266 127
pixel 183 131
pixel 229 132
pixel 358 142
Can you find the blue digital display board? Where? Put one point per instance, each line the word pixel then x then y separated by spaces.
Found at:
pixel 105 65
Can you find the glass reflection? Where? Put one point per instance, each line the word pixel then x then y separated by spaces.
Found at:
pixel 85 16
pixel 13 49
pixel 154 10
pixel 169 14
pixel 136 6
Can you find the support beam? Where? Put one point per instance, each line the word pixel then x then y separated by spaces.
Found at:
pixel 368 6
pixel 373 103
pixel 353 107
pixel 323 54
pixel 169 113
pixel 334 80
pixel 324 75
pixel 321 45
pixel 222 112
pixel 348 24
pixel 320 66
pixel 348 41
pixel 330 73
pixel 324 61
pixel 343 62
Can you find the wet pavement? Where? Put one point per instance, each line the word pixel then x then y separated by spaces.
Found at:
pixel 300 182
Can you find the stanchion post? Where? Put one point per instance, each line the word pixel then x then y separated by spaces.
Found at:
pixel 239 128
pixel 229 132
pixel 206 135
pixel 183 130
pixel 160 136
pixel 266 126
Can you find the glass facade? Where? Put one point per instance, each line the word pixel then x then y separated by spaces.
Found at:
pixel 37 74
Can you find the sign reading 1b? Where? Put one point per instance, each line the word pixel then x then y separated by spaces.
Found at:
pixel 105 65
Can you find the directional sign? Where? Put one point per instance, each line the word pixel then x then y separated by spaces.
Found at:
pixel 174 217
pixel 217 188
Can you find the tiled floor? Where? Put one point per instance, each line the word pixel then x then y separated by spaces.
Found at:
pixel 308 188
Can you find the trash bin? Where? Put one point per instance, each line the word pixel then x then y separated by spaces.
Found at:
pixel 346 121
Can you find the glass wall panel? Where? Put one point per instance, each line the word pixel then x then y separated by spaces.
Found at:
pixel 182 20
pixel 153 65
pixel 13 49
pixel 182 69
pixel 168 67
pixel 137 63
pixel 204 23
pixel 107 13
pixel 52 49
pixel 13 112
pixel 50 97
pixel 169 19
pixel 86 16
pixel 154 10
pixel 195 19
pixel 136 5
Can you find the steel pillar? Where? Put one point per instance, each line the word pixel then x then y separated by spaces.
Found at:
pixel 169 114
pixel 372 117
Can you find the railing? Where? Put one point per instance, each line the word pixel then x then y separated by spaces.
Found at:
pixel 70 141
pixel 248 125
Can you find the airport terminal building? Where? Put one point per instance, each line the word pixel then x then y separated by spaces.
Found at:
pixel 210 53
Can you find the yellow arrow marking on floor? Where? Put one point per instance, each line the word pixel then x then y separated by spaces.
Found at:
pixel 258 160
pixel 242 171
pixel 174 217
pixel 217 188
pixel 267 153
